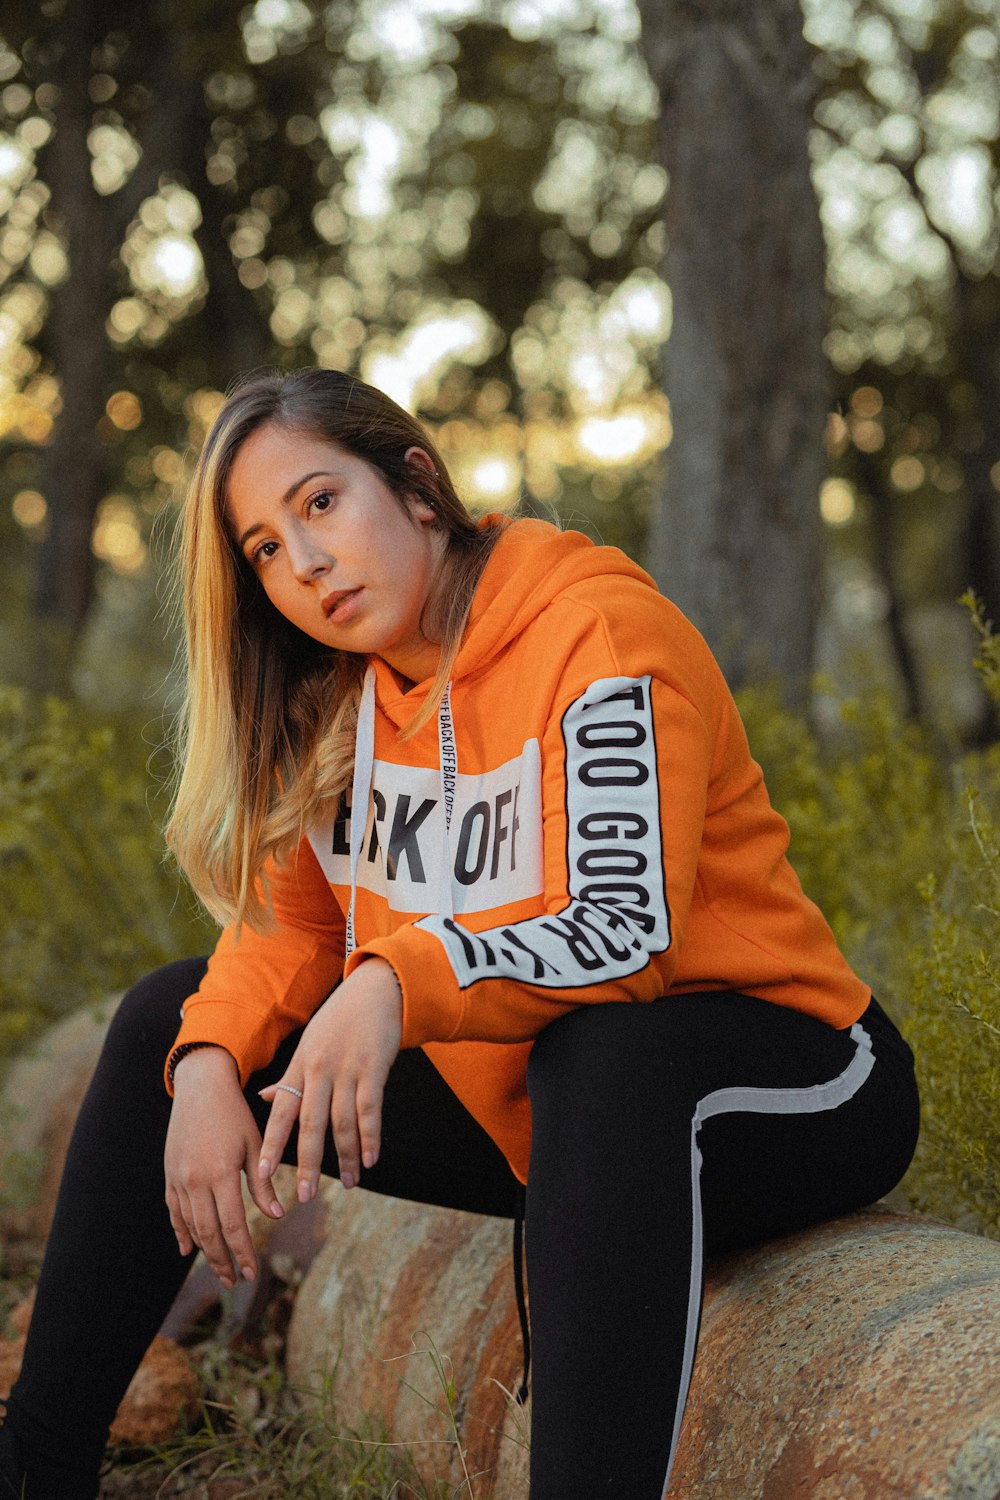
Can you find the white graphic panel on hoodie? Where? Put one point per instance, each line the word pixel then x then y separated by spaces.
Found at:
pixel 617 915
pixel 495 839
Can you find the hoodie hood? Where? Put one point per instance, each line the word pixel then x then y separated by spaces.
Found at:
pixel 532 563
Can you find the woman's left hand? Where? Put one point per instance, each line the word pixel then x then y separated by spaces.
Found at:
pixel 340 1067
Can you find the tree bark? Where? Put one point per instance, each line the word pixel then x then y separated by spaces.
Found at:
pixel 77 468
pixel 736 540
pixel 73 469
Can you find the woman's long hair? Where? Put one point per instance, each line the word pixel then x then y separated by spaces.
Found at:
pixel 265 738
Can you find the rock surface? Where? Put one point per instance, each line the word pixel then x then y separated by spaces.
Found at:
pixel 41 1098
pixel 858 1359
pixel 409 1312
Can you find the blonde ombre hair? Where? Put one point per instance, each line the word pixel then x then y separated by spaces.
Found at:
pixel 265 737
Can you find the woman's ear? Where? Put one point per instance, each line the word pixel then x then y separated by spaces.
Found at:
pixel 415 457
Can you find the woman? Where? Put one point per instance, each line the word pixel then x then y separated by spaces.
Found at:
pixel 463 794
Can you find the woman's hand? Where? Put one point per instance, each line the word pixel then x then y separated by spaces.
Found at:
pixel 339 1067
pixel 211 1138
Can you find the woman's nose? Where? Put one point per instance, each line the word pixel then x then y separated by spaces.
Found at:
pixel 309 560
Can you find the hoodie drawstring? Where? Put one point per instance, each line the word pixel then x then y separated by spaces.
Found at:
pixel 522 1310
pixel 361 786
pixel 448 773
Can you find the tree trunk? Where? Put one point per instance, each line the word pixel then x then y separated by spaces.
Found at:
pixel 73 470
pixel 978 302
pixel 872 483
pixel 172 135
pixel 736 540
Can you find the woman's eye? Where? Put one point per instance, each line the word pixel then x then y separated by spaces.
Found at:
pixel 263 552
pixel 321 501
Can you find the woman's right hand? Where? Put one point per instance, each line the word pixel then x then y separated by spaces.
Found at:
pixel 211 1139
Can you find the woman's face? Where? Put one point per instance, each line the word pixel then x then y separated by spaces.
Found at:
pixel 334 549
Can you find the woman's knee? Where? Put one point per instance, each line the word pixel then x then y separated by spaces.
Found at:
pixel 592 1055
pixel 644 1059
pixel 148 1016
pixel 563 1049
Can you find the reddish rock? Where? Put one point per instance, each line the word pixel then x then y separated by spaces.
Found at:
pixel 161 1400
pixel 410 1311
pixel 856 1361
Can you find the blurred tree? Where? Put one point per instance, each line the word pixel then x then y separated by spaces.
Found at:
pixel 907 144
pixel 736 540
pixel 136 99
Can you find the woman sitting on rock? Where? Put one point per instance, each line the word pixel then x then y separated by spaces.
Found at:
pixel 505 903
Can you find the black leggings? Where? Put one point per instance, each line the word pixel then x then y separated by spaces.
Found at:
pixel 699 1123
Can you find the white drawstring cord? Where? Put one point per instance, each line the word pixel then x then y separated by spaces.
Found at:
pixel 448 774
pixel 364 761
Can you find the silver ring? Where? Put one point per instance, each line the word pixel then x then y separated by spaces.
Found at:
pixel 289 1090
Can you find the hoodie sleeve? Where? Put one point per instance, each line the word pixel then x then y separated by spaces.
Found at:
pixel 261 986
pixel 626 762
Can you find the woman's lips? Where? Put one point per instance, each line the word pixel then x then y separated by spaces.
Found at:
pixel 342 605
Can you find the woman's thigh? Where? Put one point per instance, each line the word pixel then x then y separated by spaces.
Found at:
pixel 782 1119
pixel 836 1134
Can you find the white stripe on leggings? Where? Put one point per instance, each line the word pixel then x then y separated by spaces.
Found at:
pixel 807 1101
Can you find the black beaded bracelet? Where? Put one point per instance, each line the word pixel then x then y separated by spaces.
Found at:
pixel 182 1051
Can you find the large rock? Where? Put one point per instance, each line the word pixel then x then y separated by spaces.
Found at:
pixel 860 1359
pixel 39 1103
pixel 408 1312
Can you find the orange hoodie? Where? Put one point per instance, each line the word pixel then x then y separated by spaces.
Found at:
pixel 583 822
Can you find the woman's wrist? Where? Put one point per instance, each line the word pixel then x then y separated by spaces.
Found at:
pixel 203 1059
pixel 381 978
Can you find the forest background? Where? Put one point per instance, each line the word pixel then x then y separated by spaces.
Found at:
pixel 715 282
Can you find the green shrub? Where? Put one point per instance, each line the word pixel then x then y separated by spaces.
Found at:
pixel 88 903
pixel 901 850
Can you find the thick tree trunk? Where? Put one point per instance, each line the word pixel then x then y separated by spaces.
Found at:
pixel 736 540
pixel 73 471
pixel 77 469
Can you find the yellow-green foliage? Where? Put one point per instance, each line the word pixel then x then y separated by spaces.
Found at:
pixel 87 903
pixel 902 852
pixel 955 1021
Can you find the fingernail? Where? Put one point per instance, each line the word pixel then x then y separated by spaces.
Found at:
pixel 369 1159
pixel 248 1273
pixel 264 1167
pixel 277 1212
pixel 227 1282
pixel 347 1179
pixel 305 1192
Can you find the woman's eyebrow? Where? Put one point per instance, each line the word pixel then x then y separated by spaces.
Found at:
pixel 286 499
